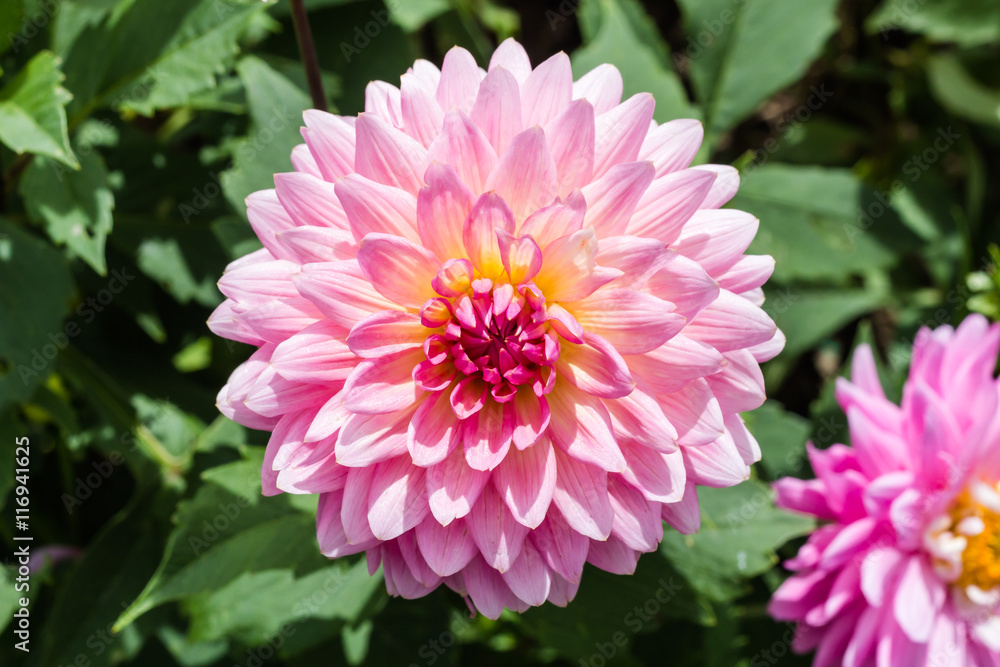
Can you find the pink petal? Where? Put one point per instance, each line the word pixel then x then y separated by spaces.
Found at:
pixel 447 549
pixel 512 57
pixel 399 269
pixel 684 283
pixel 383 100
pixel 739 386
pixel 397 500
pixel 727 183
pixel 453 487
pixel 568 269
pixel 612 198
pixel 526 480
pixel 525 176
pixel 254 284
pixel 601 86
pixel 669 203
pixel 463 145
pixel 717 464
pixel 460 79
pixel 581 494
pixel 497 111
pixel 269 218
pixel 748 272
pixel 595 367
pixel 637 520
pixel 487 435
pixel 434 431
pixel 556 221
pixel 547 90
pixel 330 533
pixel 497 534
pixel 309 201
pixel 331 141
pixel 695 412
pixel 631 321
pixel 521 256
pixel 639 419
pixel 717 239
pixel 919 596
pixel 730 323
pixel 367 439
pixel 489 213
pixel 422 115
pixel 303 161
pixel 373 207
pixel 529 578
pixel 442 208
pixel 685 514
pixel 486 588
pixel 613 556
pixel 315 355
pixel 354 511
pixel 571 143
pixel 318 244
pixel 384 384
pixel 620 132
pixel 659 477
pixel 531 417
pixel 388 156
pixel 673 145
pixel 564 549
pixel 341 292
pixel 581 426
pixel 674 364
pixel 385 333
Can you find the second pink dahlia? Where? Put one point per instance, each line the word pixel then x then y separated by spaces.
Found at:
pixel 503 328
pixel 906 572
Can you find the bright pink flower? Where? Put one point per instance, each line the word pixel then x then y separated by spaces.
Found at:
pixel 503 328
pixel 907 571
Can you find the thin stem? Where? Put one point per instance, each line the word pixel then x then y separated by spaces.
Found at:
pixel 308 51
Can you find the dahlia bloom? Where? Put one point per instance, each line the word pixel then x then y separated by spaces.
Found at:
pixel 907 571
pixel 503 328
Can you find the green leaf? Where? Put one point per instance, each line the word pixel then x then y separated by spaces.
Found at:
pixel 608 603
pixel 254 607
pixel 807 316
pixel 741 53
pixel 622 34
pixel 960 94
pixel 35 289
pixel 820 223
pixel 165 261
pixel 740 529
pixel 74 206
pixel 11 24
pixel 965 22
pixel 221 535
pixel 276 106
pixel 33 111
pixel 782 438
pixel 148 55
pixel 415 14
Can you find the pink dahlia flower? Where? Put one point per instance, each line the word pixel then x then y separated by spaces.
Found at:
pixel 503 328
pixel 907 571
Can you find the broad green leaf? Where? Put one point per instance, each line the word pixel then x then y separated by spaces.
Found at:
pixel 35 292
pixel 631 605
pixel 960 94
pixel 276 107
pixel 221 535
pixel 807 316
pixel 165 261
pixel 623 35
pixel 11 25
pixel 965 22
pixel 184 46
pixel 820 223
pixel 413 15
pixel 741 53
pixel 74 206
pixel 33 111
pixel 740 529
pixel 781 436
pixel 254 607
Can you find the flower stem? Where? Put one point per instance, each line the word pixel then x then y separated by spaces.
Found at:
pixel 308 51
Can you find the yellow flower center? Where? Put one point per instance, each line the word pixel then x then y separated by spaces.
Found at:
pixel 981 557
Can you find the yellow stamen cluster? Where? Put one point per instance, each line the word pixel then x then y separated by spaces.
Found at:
pixel 981 558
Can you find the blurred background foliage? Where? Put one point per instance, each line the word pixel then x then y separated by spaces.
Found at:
pixel 130 132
